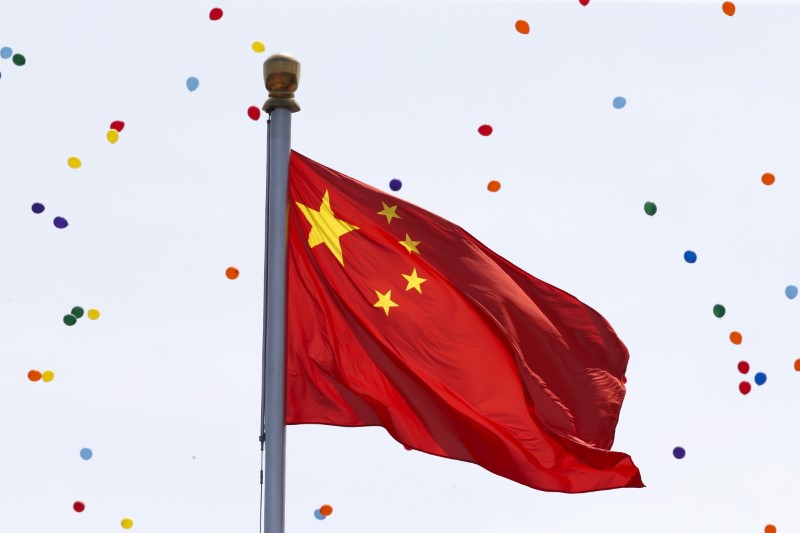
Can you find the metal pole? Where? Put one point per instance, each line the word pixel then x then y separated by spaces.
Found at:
pixel 281 74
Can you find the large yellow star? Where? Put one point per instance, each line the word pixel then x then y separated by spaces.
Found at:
pixel 414 281
pixel 410 245
pixel 389 212
pixel 325 227
pixel 385 301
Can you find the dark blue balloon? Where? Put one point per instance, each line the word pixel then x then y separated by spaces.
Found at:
pixel 760 378
pixel 395 184
pixel 37 208
pixel 689 256
pixel 60 222
pixel 679 452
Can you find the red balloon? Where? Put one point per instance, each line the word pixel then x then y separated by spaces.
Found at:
pixel 117 125
pixel 744 387
pixel 79 506
pixel 215 14
pixel 253 112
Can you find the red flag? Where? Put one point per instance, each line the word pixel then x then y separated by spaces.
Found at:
pixel 400 319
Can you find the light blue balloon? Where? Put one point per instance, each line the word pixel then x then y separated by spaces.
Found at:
pixel 619 102
pixel 318 515
pixel 6 52
pixel 791 292
pixel 192 83
pixel 86 454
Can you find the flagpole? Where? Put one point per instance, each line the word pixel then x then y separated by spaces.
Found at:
pixel 281 75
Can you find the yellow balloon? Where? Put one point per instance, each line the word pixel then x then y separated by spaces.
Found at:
pixel 48 376
pixel 93 314
pixel 74 162
pixel 258 47
pixel 112 136
pixel 127 523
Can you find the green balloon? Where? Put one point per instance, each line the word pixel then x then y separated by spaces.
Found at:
pixel 70 320
pixel 18 59
pixel 650 208
pixel 719 311
pixel 77 311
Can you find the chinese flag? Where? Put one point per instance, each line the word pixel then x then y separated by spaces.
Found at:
pixel 400 319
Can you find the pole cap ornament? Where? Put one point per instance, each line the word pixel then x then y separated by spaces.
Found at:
pixel 281 75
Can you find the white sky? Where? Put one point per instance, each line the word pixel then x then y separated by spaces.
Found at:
pixel 164 387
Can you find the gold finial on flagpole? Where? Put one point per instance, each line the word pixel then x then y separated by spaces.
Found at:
pixel 281 76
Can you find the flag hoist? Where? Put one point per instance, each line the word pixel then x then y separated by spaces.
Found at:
pixel 281 75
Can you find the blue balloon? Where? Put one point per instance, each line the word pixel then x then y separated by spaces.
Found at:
pixel 6 52
pixel 679 452
pixel 760 378
pixel 619 102
pixel 86 454
pixel 192 83
pixel 318 515
pixel 689 256
pixel 395 184
pixel 791 292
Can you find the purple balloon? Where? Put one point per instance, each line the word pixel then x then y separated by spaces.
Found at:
pixel 60 222
pixel 37 208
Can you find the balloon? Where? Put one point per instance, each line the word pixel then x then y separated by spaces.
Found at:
pixel 679 452
pixel 395 184
pixel 619 102
pixel 232 273
pixel 523 27
pixel 650 208
pixel 719 310
pixel 728 8
pixel 86 454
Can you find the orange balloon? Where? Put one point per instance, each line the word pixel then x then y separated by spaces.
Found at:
pixel 523 27
pixel 797 364
pixel 768 178
pixel 493 186
pixel 736 337
pixel 35 375
pixel 728 8
pixel 232 273
pixel 769 528
pixel 326 510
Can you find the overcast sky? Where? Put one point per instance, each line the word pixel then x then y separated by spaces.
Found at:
pixel 164 387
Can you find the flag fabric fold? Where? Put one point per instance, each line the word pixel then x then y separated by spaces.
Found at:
pixel 401 319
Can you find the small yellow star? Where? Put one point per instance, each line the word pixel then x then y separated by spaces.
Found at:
pixel 385 301
pixel 389 212
pixel 410 245
pixel 414 281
